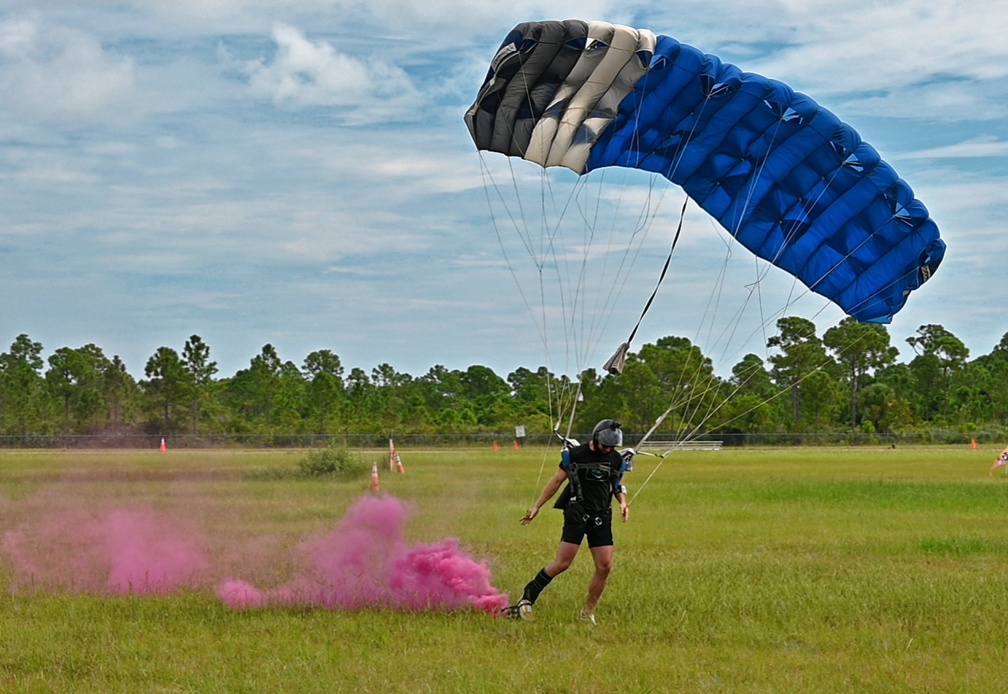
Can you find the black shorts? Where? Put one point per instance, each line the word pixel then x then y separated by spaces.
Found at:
pixel 597 526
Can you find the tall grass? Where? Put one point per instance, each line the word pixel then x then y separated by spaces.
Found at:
pixel 798 570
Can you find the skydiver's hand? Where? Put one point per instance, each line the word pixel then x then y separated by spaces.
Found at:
pixel 529 515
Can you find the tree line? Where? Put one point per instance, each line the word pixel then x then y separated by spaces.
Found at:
pixel 847 380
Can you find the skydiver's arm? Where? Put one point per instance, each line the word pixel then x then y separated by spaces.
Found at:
pixel 547 493
pixel 619 491
pixel 623 506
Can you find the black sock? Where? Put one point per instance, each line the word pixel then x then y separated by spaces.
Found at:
pixel 536 586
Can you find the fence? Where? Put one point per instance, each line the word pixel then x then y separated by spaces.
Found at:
pixel 695 445
pixel 505 440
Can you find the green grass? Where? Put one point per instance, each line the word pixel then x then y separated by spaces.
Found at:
pixel 766 570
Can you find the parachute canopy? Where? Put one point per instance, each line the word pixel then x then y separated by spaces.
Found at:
pixel 783 175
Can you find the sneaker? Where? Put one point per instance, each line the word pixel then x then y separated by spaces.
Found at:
pixel 585 617
pixel 523 610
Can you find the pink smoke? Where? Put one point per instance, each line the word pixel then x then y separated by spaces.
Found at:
pixel 131 550
pixel 365 563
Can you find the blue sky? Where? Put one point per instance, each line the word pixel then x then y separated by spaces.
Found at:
pixel 299 174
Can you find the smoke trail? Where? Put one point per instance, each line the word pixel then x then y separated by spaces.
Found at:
pixel 362 563
pixel 129 550
pixel 365 563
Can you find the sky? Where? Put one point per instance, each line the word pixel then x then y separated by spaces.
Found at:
pixel 299 174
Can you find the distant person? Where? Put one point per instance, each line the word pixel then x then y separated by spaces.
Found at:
pixel 1000 462
pixel 594 475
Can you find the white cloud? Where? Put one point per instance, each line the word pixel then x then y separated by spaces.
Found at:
pixel 440 21
pixel 304 73
pixel 59 73
pixel 974 148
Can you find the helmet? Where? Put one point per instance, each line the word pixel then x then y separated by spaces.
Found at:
pixel 608 433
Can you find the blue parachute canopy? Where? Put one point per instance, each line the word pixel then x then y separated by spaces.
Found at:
pixel 783 175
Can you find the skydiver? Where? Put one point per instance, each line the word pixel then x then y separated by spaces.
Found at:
pixel 594 475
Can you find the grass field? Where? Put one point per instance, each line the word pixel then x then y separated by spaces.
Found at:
pixel 786 570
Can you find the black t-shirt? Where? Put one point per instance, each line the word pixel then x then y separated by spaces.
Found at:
pixel 599 475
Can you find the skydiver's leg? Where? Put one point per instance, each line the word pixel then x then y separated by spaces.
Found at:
pixel 603 557
pixel 565 556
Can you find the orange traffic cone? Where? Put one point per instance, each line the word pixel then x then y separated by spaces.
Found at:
pixel 374 477
pixel 496 445
pixel 974 444
pixel 399 467
pixel 516 444
pixel 163 446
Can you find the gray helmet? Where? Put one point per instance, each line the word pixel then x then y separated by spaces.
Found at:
pixel 608 433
